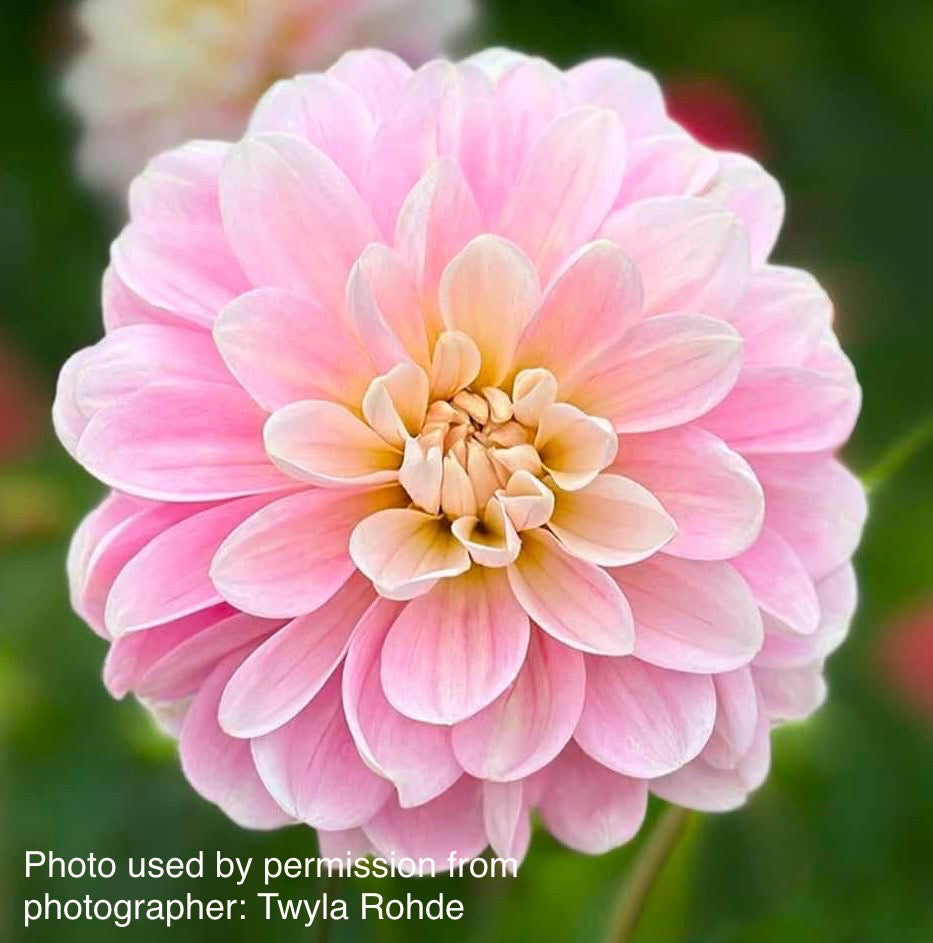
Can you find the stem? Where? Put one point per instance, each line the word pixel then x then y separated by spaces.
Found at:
pixel 898 455
pixel 649 863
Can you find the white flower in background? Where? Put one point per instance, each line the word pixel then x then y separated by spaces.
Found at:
pixel 154 73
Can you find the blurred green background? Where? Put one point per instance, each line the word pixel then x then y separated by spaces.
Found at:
pixel 836 848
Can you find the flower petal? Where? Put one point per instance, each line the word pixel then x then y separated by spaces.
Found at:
pixel 592 300
pixel 572 600
pixel 183 667
pixel 192 442
pixel 448 827
pixel 531 722
pixel 590 808
pixel 567 186
pixel 168 578
pixel 817 505
pixel 456 649
pixel 506 819
pixel 780 582
pixel 292 555
pixel 692 255
pixel 324 443
pixel 439 217
pixel 221 768
pixel 783 315
pixel 786 409
pixel 283 348
pixel 644 721
pixel 384 307
pixel 287 671
pixel 574 447
pixel 293 218
pixel 691 615
pixel 489 292
pixel 710 491
pixel 403 547
pixel 744 187
pixel 418 758
pixel 313 770
pixel 612 522
pixel 663 372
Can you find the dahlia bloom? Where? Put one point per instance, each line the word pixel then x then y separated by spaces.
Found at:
pixel 154 73
pixel 468 458
pixel 907 656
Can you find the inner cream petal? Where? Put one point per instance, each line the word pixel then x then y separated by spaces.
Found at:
pixel 455 364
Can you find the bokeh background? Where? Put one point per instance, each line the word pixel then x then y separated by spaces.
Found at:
pixel 837 99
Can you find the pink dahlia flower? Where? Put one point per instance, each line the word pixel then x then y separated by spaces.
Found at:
pixel 154 73
pixel 469 458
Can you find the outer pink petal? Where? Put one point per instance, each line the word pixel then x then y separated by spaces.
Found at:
pixel 692 255
pixel 439 217
pixel 132 658
pixel 632 93
pixel 313 770
pixel 87 543
pixel 221 768
pixel 838 596
pixel 168 578
pixel 292 556
pixel 451 824
pixel 780 582
pixel 283 348
pixel 323 111
pixel 293 218
pixel 122 307
pixel 377 76
pixel 574 601
pixel 592 300
pixel 783 315
pixel 817 505
pixel 445 110
pixel 662 372
pixel 506 819
pixel 590 808
pixel 566 187
pixel 736 719
pixel 197 442
pixel 710 491
pixel 743 186
pixel 699 785
pixel 182 668
pixel 283 675
pixel 132 357
pixel 691 615
pixel 418 758
pixel 666 165
pixel 531 722
pixel 644 721
pixel 455 650
pixel 174 254
pixel 341 843
pixel 791 693
pixel 786 409
pixel 385 309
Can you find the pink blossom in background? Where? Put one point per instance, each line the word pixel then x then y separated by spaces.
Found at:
pixel 468 458
pixel 907 652
pixel 714 114
pixel 152 74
